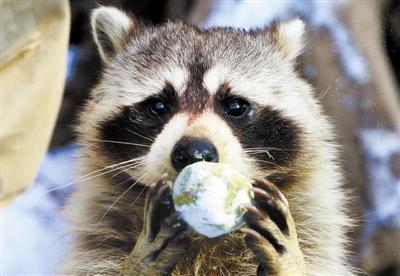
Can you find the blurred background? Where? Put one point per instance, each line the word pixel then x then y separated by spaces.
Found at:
pixel 352 58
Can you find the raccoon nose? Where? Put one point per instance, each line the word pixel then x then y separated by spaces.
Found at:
pixel 191 150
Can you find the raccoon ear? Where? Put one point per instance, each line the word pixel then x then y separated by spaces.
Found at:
pixel 288 37
pixel 111 28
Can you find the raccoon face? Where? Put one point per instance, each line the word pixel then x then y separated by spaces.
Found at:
pixel 173 95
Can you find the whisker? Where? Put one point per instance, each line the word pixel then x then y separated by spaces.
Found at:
pixel 84 179
pixel 124 193
pixel 266 148
pixel 125 169
pixel 141 192
pixel 140 135
pixel 267 162
pixel 121 142
pixel 100 172
pixel 144 162
pixel 261 151
pixel 158 117
pixel 114 166
pixel 127 180
pixel 325 92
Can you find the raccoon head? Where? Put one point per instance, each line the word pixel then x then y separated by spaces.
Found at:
pixel 174 94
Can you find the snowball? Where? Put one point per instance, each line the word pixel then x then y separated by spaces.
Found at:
pixel 209 198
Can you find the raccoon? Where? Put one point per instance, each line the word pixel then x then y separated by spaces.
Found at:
pixel 175 94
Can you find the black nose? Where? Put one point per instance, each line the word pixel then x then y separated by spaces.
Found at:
pixel 191 150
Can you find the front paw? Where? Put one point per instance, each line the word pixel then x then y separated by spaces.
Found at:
pixel 164 238
pixel 271 233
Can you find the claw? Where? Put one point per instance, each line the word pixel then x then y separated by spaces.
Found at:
pixel 262 194
pixel 163 189
pixel 172 220
pixel 270 188
pixel 262 180
pixel 250 233
pixel 259 191
pixel 182 241
pixel 159 181
pixel 252 210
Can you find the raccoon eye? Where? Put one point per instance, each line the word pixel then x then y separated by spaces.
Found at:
pixel 236 107
pixel 158 107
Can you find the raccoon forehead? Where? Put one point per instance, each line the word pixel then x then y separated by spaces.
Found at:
pixel 128 84
pixel 198 64
pixel 265 81
pixel 258 82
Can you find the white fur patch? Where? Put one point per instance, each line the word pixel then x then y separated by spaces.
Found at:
pixel 177 76
pixel 208 126
pixel 214 77
pixel 158 159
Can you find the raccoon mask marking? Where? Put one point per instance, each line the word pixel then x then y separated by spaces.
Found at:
pixel 270 137
pixel 174 94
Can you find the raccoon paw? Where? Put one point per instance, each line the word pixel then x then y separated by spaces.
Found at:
pixel 271 232
pixel 164 238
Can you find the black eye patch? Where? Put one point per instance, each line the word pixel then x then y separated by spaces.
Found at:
pixel 130 133
pixel 268 136
pixel 124 136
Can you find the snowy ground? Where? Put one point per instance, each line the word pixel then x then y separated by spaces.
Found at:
pixel 32 230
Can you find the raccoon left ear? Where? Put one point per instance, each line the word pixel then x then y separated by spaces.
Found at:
pixel 288 37
pixel 111 28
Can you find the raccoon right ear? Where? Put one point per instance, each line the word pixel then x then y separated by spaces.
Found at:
pixel 111 28
pixel 287 37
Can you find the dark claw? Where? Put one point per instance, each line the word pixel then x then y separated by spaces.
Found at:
pixel 183 238
pixel 258 192
pixel 172 219
pixel 166 202
pixel 153 255
pixel 252 219
pixel 268 187
pixel 250 233
pixel 265 202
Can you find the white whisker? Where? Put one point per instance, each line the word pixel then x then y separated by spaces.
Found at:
pixel 267 162
pixel 121 142
pixel 142 163
pixel 100 172
pixel 124 193
pixel 140 135
pixel 260 151
pixel 141 192
pixel 266 148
